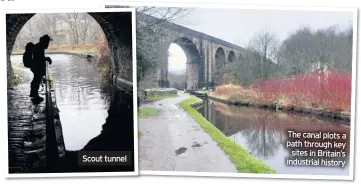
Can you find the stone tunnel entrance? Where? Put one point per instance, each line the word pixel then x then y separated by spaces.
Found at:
pixel 81 96
pixel 112 24
pixel 183 65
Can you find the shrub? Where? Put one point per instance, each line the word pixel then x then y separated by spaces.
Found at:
pixel 316 90
pixel 104 58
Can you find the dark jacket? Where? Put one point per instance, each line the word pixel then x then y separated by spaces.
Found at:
pixel 39 60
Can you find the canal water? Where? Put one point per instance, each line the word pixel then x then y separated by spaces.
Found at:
pixel 85 103
pixel 82 98
pixel 264 133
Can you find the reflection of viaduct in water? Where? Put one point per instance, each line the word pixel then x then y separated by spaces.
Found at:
pixel 205 54
pixel 266 130
pixel 115 25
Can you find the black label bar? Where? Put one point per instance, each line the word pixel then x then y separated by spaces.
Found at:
pixel 105 158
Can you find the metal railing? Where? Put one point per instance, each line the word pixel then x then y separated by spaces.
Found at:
pixel 52 153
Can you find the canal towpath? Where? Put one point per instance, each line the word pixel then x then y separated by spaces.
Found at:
pixel 27 128
pixel 174 141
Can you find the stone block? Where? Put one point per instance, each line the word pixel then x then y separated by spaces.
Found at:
pixel 160 92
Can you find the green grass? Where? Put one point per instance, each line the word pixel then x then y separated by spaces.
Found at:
pixel 202 91
pixel 20 51
pixel 156 98
pixel 20 65
pixel 50 73
pixel 244 161
pixel 145 112
pixel 140 134
pixel 19 78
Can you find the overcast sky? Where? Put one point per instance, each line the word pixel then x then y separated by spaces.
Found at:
pixel 238 26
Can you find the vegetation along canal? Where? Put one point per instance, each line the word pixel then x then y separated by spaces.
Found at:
pixel 262 132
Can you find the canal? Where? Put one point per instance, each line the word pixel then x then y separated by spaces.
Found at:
pixel 82 97
pixel 263 133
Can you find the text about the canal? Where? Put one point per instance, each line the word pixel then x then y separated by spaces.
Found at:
pixel 102 158
pixel 328 149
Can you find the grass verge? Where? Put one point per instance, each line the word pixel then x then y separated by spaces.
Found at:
pixel 241 158
pixel 19 78
pixel 156 98
pixel 50 72
pixel 202 91
pixel 145 112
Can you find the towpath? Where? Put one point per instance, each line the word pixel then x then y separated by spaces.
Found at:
pixel 173 141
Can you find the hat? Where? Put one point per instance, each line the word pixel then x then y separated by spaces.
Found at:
pixel 46 37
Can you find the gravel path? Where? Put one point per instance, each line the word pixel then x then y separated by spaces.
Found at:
pixel 173 141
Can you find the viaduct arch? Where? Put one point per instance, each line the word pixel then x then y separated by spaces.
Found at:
pixel 205 53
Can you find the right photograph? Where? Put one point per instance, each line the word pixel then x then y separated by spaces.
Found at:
pixel 226 91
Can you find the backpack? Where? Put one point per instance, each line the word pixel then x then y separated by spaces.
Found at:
pixel 28 55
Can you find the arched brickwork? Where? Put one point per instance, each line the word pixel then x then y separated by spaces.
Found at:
pixel 117 27
pixel 192 63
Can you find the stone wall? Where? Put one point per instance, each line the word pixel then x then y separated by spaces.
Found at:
pixel 160 92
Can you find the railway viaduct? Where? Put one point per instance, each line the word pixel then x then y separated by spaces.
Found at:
pixel 205 54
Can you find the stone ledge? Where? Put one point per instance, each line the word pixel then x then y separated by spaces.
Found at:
pixel 160 92
pixel 124 85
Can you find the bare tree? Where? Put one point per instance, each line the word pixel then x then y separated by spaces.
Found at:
pixel 306 51
pixel 149 39
pixel 82 27
pixel 64 28
pixel 28 29
pixel 85 28
pixel 43 24
pixel 150 34
pixel 164 14
pixel 258 62
pixel 94 31
pixel 37 26
pixel 72 20
pixel 264 45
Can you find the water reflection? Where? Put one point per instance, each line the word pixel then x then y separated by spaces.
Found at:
pixel 82 98
pixel 94 115
pixel 264 133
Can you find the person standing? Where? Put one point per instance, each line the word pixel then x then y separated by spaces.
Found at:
pixel 39 65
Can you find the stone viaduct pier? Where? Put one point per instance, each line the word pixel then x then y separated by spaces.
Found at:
pixel 205 53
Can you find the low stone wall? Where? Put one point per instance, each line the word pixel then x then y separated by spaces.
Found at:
pixel 124 85
pixel 160 92
pixel 58 128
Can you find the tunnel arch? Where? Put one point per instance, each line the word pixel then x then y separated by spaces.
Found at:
pixel 231 57
pixel 113 25
pixel 192 62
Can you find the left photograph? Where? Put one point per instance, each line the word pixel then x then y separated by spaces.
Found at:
pixel 71 103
